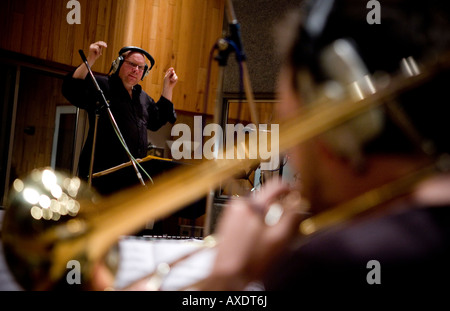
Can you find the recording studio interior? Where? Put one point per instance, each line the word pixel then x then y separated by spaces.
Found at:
pixel 98 196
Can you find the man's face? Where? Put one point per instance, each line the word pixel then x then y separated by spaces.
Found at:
pixel 132 69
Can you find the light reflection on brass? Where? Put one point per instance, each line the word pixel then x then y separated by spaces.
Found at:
pixel 47 214
pixel 36 212
pixel 56 216
pixel 48 179
pixel 43 200
pixel 18 185
pixel 56 191
pixel 55 206
pixel 31 195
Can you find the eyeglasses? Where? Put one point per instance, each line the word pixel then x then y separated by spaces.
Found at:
pixel 133 65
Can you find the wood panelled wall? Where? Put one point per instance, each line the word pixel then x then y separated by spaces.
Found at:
pixel 35 122
pixel 178 33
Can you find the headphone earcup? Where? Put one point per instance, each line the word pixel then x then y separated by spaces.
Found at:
pixel 116 64
pixel 146 72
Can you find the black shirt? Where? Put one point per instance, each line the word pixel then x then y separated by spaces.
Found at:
pixel 133 116
pixel 412 247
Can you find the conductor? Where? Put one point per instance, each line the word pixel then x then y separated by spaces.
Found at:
pixel 132 108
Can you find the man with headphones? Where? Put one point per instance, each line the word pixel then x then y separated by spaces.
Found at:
pixel 132 108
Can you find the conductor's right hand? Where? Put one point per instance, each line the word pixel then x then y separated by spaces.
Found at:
pixel 96 50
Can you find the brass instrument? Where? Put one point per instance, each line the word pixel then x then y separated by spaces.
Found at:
pixel 40 248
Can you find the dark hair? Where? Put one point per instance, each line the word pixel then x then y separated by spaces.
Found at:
pixel 407 28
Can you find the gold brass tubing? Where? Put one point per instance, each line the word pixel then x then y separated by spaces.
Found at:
pixel 364 202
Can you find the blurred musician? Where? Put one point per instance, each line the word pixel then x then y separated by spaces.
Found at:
pixel 329 50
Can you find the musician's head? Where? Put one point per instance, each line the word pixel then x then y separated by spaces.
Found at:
pixel 336 52
pixel 131 65
pixel 133 68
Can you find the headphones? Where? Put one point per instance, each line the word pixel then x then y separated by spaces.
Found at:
pixel 343 70
pixel 117 63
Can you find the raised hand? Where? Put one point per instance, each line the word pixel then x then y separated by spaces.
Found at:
pixel 170 79
pixel 96 50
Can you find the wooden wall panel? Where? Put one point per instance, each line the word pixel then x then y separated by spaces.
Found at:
pixel 35 120
pixel 239 111
pixel 178 33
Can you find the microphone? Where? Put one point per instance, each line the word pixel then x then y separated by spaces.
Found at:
pixel 344 65
pixel 83 57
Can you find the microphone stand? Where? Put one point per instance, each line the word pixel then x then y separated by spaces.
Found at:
pixel 227 45
pixel 105 105
pixel 94 143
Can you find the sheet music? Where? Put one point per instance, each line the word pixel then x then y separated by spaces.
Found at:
pixel 140 257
